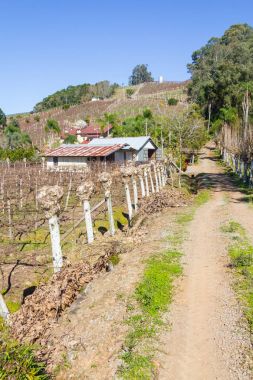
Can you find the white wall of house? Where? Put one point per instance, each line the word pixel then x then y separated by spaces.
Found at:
pixel 66 161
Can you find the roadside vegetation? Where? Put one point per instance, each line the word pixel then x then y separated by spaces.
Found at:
pixel 222 74
pixel 241 255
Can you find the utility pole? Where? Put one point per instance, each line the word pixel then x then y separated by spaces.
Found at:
pixel 162 139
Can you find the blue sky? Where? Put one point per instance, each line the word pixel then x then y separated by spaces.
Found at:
pixel 47 45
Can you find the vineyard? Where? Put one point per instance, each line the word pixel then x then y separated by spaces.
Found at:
pixel 26 250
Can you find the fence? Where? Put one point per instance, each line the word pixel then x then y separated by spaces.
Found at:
pixel 241 166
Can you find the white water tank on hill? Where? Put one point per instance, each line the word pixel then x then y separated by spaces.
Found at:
pixel 160 79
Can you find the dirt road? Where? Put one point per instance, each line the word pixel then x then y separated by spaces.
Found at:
pixel 208 339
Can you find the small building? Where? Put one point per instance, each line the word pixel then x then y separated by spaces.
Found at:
pixel 102 149
pixel 141 148
pixel 78 155
pixel 87 132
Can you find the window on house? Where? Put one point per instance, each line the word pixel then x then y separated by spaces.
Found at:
pixel 55 161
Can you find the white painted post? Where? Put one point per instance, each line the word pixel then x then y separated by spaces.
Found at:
pixel 164 174
pixel 153 164
pixel 49 199
pixel 126 175
pixel 233 162
pixel 135 191
pixel 236 165
pixel 84 192
pixel 140 172
pixel 43 163
pixel 4 312
pixel 106 180
pixel 146 180
pixel 159 176
pixel 151 179
pixel 56 242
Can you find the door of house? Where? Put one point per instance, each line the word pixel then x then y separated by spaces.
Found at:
pixel 55 161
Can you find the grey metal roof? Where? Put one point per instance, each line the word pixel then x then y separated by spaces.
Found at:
pixel 134 142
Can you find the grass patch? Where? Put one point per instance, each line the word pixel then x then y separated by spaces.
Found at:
pixel 241 255
pixel 201 198
pixel 17 361
pixel 114 259
pixel 152 295
pixel 233 227
pixel 12 307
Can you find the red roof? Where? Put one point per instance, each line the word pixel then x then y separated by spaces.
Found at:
pixel 83 151
pixel 94 130
pixel 88 131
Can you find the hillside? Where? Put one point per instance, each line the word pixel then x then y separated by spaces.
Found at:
pixel 149 95
pixel 73 95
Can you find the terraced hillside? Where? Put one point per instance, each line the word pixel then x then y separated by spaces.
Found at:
pixel 152 95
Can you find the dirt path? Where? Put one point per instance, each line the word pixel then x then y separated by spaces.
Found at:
pixel 208 339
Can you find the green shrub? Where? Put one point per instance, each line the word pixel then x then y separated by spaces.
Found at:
pixel 129 92
pixel 18 154
pixel 36 118
pixel 70 139
pixel 172 101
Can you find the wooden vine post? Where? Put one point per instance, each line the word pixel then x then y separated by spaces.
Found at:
pixel 126 175
pixel 84 192
pixel 151 179
pixel 106 181
pixel 153 165
pixel 10 232
pixel 135 190
pixel 163 173
pixel 159 175
pixel 131 164
pixel 140 176
pixel 146 179
pixel 49 199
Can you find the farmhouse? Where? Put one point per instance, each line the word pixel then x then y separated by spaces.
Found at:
pixel 102 149
pixel 141 148
pixel 79 154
